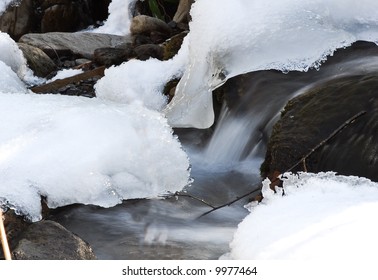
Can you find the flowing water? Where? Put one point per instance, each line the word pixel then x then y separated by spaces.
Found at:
pixel 225 164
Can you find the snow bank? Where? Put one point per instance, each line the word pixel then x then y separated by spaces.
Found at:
pixel 320 217
pixel 80 150
pixel 118 22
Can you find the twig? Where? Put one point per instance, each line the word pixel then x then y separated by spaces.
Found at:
pixel 195 198
pixel 333 134
pixel 4 241
pixel 255 189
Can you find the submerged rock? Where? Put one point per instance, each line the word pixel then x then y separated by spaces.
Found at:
pixel 48 240
pixel 312 117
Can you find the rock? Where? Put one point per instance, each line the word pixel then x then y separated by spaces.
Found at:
pixel 64 16
pixel 14 226
pixel 143 24
pixel 173 45
pixel 18 20
pixel 182 14
pixel 79 44
pixel 113 56
pixel 80 85
pixel 147 51
pixel 48 240
pixel 310 118
pixel 41 64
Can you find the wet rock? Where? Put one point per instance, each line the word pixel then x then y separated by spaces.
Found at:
pixel 143 24
pixel 19 19
pixel 309 119
pixel 48 240
pixel 41 64
pixel 147 51
pixel 80 44
pixel 113 56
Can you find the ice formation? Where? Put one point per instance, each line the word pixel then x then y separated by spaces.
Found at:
pixel 250 35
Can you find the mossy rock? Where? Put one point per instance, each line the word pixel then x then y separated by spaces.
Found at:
pixel 312 117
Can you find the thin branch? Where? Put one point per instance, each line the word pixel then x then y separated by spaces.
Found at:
pixel 4 241
pixel 255 189
pixel 195 198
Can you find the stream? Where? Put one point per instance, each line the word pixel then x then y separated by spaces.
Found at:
pixel 225 163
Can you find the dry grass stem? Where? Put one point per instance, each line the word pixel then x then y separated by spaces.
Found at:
pixel 4 241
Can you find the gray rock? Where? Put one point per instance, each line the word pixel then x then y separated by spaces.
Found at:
pixel 79 44
pixel 48 240
pixel 37 60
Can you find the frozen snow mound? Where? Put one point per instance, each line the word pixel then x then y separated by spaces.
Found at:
pixel 250 35
pixel 80 150
pixel 320 217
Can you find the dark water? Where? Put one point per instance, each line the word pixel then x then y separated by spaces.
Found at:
pixel 225 164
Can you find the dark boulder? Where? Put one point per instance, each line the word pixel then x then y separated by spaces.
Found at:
pixel 312 117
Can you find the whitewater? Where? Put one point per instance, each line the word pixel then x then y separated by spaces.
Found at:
pixel 121 144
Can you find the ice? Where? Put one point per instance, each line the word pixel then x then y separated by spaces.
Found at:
pixel 250 35
pixel 80 150
pixel 321 217
pixel 118 22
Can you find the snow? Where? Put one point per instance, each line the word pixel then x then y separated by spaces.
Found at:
pixel 12 56
pixel 321 217
pixel 118 22
pixel 79 150
pixel 65 73
pixel 141 81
